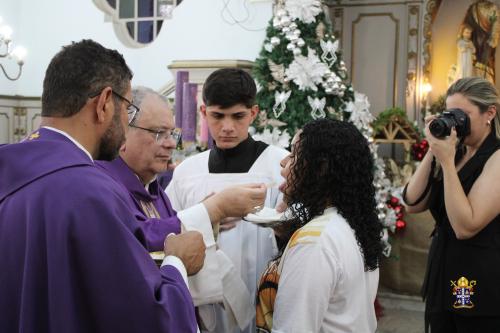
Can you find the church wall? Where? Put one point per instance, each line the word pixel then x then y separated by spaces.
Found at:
pixel 196 31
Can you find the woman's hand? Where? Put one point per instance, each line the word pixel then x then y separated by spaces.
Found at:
pixel 443 149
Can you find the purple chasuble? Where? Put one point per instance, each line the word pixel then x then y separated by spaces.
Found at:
pixel 152 209
pixel 70 253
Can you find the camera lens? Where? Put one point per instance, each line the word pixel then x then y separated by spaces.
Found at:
pixel 439 128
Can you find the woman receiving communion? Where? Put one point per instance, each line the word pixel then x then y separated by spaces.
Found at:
pixel 326 277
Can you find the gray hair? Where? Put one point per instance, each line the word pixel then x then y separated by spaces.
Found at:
pixel 140 92
pixel 479 92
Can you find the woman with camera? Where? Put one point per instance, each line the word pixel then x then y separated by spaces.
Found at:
pixel 326 277
pixel 459 182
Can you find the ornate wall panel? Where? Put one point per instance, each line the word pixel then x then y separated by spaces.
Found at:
pixel 19 116
pixel 382 43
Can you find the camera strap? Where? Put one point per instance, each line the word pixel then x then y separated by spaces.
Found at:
pixel 427 188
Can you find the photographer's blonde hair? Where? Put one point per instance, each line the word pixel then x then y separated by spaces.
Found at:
pixel 479 92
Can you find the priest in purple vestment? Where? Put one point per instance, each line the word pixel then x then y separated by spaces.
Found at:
pixel 146 152
pixel 72 254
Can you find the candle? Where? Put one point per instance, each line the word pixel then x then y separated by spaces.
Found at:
pixel 180 79
pixel 189 106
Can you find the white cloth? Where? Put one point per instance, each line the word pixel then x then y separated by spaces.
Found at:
pixel 323 286
pixel 248 246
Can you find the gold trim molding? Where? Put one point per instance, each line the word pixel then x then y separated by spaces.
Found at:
pixel 187 64
pixel 431 10
pixel 21 98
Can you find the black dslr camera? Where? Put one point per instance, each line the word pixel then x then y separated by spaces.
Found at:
pixel 442 125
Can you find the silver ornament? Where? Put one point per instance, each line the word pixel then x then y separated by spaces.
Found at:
pixel 275 41
pixel 285 29
pixel 285 21
pixel 300 42
pixel 290 47
pixel 297 51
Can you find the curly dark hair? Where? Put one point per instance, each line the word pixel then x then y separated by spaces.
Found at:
pixel 332 166
pixel 79 70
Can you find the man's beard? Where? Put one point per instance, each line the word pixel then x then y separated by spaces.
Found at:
pixel 112 139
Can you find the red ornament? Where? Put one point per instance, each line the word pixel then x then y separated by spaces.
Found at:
pixel 419 149
pixel 400 224
pixel 394 201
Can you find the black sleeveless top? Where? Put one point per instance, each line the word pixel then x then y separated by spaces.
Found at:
pixel 463 276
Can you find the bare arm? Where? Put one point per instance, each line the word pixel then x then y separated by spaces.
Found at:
pixel 418 182
pixel 470 214
pixel 417 185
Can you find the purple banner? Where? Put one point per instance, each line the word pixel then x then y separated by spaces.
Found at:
pixel 189 106
pixel 181 78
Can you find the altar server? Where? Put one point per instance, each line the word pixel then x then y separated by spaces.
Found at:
pixel 233 267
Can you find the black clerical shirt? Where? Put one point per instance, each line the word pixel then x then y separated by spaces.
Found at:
pixel 235 160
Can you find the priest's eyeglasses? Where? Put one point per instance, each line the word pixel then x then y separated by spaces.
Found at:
pixel 132 109
pixel 161 135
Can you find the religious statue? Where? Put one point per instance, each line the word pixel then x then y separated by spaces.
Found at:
pixel 466 53
pixel 482 18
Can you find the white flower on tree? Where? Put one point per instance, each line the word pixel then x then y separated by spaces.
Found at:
pixel 304 10
pixel 360 103
pixel 275 138
pixel 306 72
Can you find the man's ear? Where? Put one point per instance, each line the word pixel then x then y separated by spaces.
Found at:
pixel 254 111
pixel 104 105
pixel 203 110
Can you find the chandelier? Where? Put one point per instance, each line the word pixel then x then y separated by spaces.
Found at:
pixel 6 52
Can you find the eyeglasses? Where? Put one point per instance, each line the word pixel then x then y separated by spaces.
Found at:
pixel 161 135
pixel 132 109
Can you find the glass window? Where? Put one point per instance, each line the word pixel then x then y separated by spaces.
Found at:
pixel 127 8
pixel 141 20
pixel 145 32
pixel 146 8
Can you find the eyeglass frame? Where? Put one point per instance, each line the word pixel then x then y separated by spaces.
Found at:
pixel 132 109
pixel 175 133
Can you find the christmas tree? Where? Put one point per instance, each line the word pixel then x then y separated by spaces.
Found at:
pixel 301 76
pixel 300 68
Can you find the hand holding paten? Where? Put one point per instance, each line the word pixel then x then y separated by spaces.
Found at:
pixel 238 201
pixel 235 201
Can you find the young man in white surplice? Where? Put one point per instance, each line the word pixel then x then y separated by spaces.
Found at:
pixel 224 290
